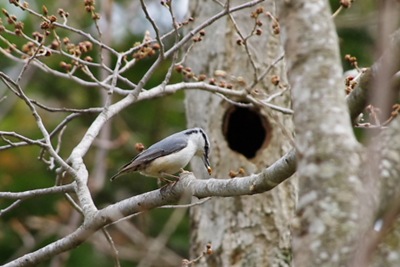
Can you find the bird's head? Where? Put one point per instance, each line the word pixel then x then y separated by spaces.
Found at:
pixel 200 138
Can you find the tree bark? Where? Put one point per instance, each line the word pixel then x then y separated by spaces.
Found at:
pixel 247 230
pixel 328 155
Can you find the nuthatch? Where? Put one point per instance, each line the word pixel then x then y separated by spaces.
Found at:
pixel 170 155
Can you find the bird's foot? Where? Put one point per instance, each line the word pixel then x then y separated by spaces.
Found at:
pixel 168 183
pixel 170 176
pixel 162 178
pixel 165 180
pixel 183 171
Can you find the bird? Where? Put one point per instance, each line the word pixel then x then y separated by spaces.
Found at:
pixel 170 155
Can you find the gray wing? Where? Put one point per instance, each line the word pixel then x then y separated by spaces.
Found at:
pixel 166 146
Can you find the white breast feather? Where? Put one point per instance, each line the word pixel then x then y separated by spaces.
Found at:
pixel 171 164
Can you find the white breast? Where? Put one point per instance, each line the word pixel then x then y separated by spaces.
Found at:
pixel 171 164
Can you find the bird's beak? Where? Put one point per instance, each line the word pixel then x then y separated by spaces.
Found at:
pixel 207 164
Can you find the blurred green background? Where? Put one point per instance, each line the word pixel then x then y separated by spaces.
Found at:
pixel 29 225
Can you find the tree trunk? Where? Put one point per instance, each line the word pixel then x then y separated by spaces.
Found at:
pixel 330 213
pixel 248 230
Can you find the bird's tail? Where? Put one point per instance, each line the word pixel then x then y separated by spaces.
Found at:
pixel 127 168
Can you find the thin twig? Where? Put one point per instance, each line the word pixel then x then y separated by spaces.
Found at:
pixel 11 207
pixel 112 245
pixel 267 70
pixel 246 44
pixel 73 203
pixel 155 28
pixel 175 55
pixel 202 201
pixel 39 123
pixel 21 137
pixel 208 22
pixel 65 26
pixel 68 188
pixel 337 11
pixel 74 110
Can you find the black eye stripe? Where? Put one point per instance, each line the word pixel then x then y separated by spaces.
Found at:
pixel 206 143
pixel 203 134
pixel 191 132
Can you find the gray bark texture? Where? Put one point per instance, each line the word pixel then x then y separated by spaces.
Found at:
pixel 328 156
pixel 388 252
pixel 380 244
pixel 247 230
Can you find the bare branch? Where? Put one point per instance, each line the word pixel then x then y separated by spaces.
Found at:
pixel 155 27
pixel 21 137
pixel 112 245
pixel 65 26
pixel 39 121
pixel 209 22
pixel 188 184
pixel 11 207
pixel 68 188
pixel 266 71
